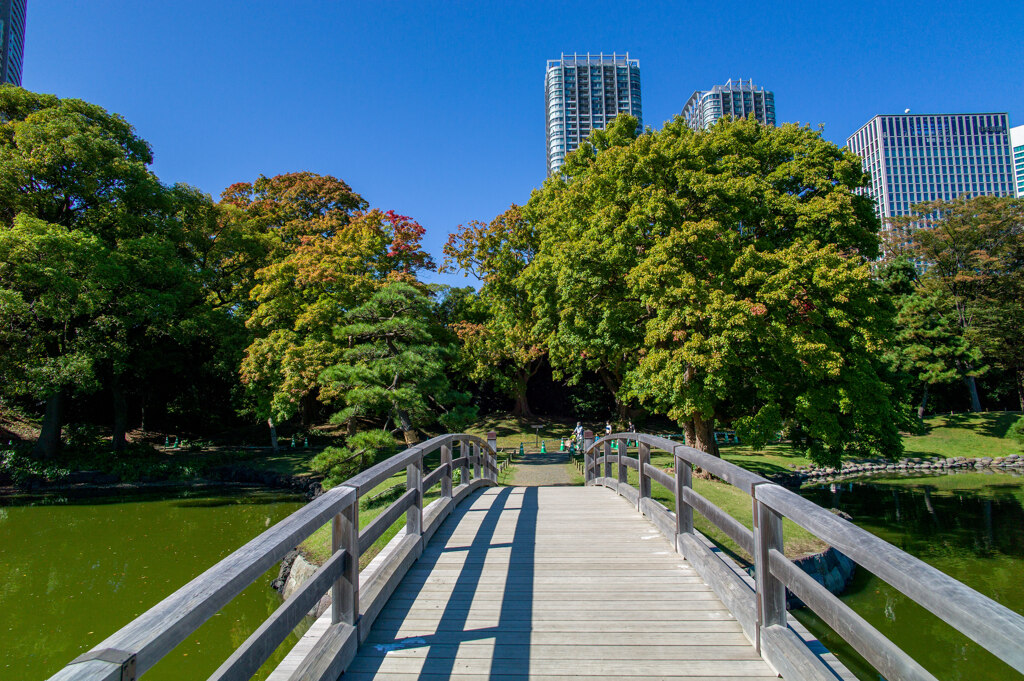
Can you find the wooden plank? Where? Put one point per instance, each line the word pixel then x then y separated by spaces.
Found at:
pixel 261 644
pixel 435 476
pixel 788 654
pixel 882 653
pixel 735 594
pixel 574 667
pixel 993 626
pixel 157 631
pixel 720 519
pixel 386 578
pixel 330 656
pixel 379 525
pixel 661 477
pixel 662 518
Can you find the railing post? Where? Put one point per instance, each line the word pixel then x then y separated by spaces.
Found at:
pixel 684 512
pixel 446 480
pixel 492 442
pixel 345 592
pixel 476 461
pixel 414 482
pixel 588 443
pixel 464 453
pixel 643 455
pixel 771 593
pixel 608 462
pixel 620 460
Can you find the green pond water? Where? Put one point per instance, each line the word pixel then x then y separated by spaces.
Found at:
pixel 74 570
pixel 970 526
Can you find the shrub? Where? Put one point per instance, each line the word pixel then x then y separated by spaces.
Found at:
pixel 337 464
pixel 1016 431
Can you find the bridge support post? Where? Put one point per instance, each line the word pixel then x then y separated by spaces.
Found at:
pixel 414 483
pixel 643 455
pixel 492 468
pixel 607 462
pixel 589 457
pixel 620 459
pixel 464 453
pixel 345 592
pixel 446 481
pixel 771 593
pixel 476 461
pixel 684 512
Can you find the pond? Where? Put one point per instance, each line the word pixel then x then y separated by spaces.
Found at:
pixel 75 569
pixel 969 525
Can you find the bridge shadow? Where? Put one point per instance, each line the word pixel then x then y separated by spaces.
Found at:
pixel 464 615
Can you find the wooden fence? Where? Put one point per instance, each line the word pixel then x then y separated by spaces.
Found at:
pixel 136 648
pixel 760 607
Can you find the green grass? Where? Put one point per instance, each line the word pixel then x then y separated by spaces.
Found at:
pixel 970 435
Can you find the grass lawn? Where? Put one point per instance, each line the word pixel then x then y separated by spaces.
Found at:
pixel 970 435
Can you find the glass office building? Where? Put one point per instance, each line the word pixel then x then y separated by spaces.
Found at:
pixel 584 92
pixel 1017 142
pixel 737 98
pixel 12 39
pixel 915 158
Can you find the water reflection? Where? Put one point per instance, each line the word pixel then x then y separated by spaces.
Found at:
pixel 970 526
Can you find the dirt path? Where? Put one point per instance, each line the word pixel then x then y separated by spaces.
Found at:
pixel 540 470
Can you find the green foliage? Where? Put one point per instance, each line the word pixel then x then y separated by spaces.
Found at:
pixel 338 464
pixel 392 364
pixel 1016 431
pixel 720 275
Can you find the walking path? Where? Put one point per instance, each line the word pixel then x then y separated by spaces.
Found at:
pixel 553 583
pixel 540 470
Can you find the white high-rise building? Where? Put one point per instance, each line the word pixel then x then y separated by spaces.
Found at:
pixel 737 98
pixel 914 158
pixel 585 92
pixel 1017 143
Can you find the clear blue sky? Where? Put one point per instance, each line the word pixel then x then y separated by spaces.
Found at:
pixel 436 110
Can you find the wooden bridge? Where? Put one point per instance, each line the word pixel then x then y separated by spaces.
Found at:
pixel 600 581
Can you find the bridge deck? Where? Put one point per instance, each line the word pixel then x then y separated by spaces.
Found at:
pixel 553 582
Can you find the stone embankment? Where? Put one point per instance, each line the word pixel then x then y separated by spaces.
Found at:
pixel 858 467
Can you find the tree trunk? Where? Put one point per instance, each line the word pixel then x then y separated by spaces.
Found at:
pixel 273 433
pixel 613 383
pixel 118 441
pixel 924 403
pixel 700 434
pixel 521 409
pixel 48 444
pixel 972 386
pixel 1020 387
pixel 704 435
pixel 408 432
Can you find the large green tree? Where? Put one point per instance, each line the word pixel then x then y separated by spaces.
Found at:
pixel 972 251
pixel 393 364
pixel 720 275
pixel 502 347
pixel 74 166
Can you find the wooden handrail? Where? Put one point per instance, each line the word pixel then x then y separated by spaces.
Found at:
pixel 993 626
pixel 134 649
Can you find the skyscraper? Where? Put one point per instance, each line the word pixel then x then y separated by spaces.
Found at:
pixel 737 98
pixel 585 92
pixel 1017 142
pixel 915 158
pixel 12 39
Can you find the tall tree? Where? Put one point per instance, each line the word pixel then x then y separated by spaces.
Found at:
pixel 75 166
pixel 973 251
pixel 392 364
pixel 503 347
pixel 720 275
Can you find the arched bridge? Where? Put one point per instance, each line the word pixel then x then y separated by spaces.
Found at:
pixel 599 581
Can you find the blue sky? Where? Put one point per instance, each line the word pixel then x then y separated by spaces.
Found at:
pixel 436 110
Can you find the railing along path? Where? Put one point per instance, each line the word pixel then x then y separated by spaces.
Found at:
pixel 760 605
pixel 136 648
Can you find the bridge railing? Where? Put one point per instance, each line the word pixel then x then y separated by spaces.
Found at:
pixel 138 646
pixel 760 608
